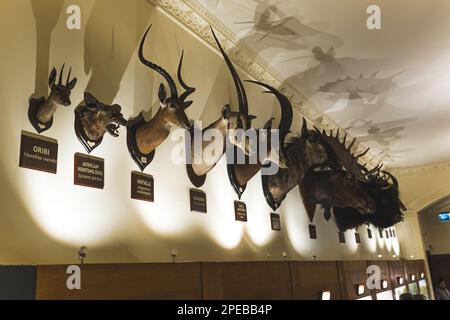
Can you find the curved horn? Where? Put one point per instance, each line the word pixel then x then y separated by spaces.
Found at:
pixel 68 76
pixel 286 110
pixel 60 74
pixel 188 90
pixel 242 97
pixel 153 66
pixel 394 179
pixel 305 128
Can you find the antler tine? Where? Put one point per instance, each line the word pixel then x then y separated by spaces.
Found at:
pixel 188 90
pixel 154 66
pixel 68 76
pixel 60 74
pixel 351 144
pixel 363 154
pixel 345 139
pixel 337 133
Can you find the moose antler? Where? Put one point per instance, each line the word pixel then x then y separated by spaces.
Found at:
pixel 188 90
pixel 344 155
pixel 242 97
pixel 157 68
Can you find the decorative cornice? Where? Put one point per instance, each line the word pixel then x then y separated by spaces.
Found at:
pixel 414 171
pixel 198 20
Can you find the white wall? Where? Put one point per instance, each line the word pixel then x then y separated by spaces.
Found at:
pixel 45 218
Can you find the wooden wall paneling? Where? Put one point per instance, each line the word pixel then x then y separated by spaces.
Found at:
pixel 123 281
pixel 310 278
pixel 440 267
pixel 246 280
pixel 352 273
pixel 410 269
pixel 385 275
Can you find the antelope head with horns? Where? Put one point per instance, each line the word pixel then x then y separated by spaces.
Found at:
pixel 199 165
pixel 240 173
pixel 41 110
pixel 143 137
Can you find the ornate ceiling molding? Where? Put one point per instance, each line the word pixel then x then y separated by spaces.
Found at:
pixel 194 17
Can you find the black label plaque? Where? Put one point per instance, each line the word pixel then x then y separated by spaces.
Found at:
pixel 275 221
pixel 369 233
pixel 198 200
pixel 38 152
pixel 240 211
pixel 341 237
pixel 387 234
pixel 89 171
pixel 357 237
pixel 312 231
pixel 381 233
pixel 142 186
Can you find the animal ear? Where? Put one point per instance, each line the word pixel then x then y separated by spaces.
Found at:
pixel 268 124
pixel 89 99
pixel 52 78
pixel 72 84
pixel 304 129
pixel 252 117
pixel 187 104
pixel 226 111
pixel 162 93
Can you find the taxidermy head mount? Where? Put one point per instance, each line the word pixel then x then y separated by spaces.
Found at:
pixel 41 110
pixel 143 137
pixel 239 174
pixel 383 188
pixel 334 188
pixel 227 123
pixel 93 119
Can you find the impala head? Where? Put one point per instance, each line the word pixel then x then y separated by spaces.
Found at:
pixel 172 105
pixel 59 92
pixel 106 118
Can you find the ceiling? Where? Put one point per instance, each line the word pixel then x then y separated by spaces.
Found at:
pixel 390 88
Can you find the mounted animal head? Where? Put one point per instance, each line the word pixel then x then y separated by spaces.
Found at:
pixel 383 188
pixel 240 119
pixel 334 189
pixel 172 106
pixel 41 110
pixel 93 119
pixel 143 137
pixel 60 92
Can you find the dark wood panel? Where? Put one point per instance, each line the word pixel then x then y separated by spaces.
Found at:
pixel 246 280
pixel 440 267
pixel 411 269
pixel 123 281
pixel 396 270
pixel 309 279
pixel 351 274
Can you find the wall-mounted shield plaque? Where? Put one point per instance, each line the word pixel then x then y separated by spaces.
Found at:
pixel 240 211
pixel 89 171
pixel 195 179
pixel 38 152
pixel 141 159
pixel 275 221
pixel 341 237
pixel 198 200
pixel 142 186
